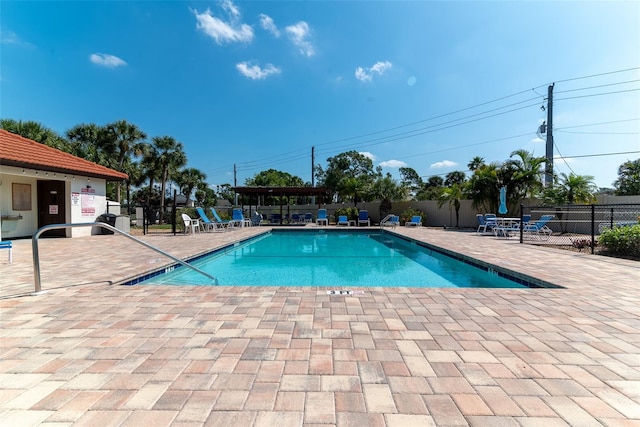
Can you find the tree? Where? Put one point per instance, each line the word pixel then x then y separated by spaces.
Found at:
pixel 86 141
pixel 188 180
pixel 484 187
pixel 572 189
pixel 455 177
pixel 122 140
pixel 36 132
pixel 431 189
pixel 528 176
pixel 452 195
pixel 628 182
pixel 274 178
pixel 349 176
pixel 475 163
pixel 224 192
pixel 170 157
pixel 410 179
pixel 387 190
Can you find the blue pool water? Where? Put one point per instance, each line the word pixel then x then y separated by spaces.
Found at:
pixel 333 259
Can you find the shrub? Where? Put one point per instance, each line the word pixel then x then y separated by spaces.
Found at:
pixel 407 214
pixel 622 240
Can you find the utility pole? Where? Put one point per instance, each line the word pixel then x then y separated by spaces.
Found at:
pixel 313 179
pixel 548 168
pixel 235 184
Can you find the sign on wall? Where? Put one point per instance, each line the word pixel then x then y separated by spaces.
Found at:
pixel 88 202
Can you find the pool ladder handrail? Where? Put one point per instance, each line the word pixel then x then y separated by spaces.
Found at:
pixel 36 255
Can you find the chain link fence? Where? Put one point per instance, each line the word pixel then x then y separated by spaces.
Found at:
pixel 577 226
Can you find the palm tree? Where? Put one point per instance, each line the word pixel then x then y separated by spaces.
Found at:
pixel 170 157
pixel 475 163
pixel 189 179
pixel 87 142
pixel 528 178
pixel 452 194
pixel 122 140
pixel 571 189
pixel 35 132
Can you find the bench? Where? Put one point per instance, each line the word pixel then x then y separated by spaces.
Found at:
pixel 5 244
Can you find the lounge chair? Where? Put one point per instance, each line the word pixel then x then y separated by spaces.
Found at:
pixel 256 218
pixel 295 218
pixel 206 223
pixel 308 217
pixel 363 218
pixel 390 221
pixel 6 244
pixel 343 220
pixel 485 225
pixel 276 218
pixel 237 218
pixel 322 218
pixel 191 223
pixel 416 220
pixel 539 228
pixel 224 223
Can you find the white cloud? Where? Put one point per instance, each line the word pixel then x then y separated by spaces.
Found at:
pixel 106 60
pixel 9 37
pixel 369 155
pixel 443 164
pixel 224 31
pixel 255 72
pixel 299 34
pixel 538 141
pixel 366 74
pixel 393 164
pixel 267 23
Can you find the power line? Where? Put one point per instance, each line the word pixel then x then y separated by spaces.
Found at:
pixel 597 94
pixel 598 86
pixel 602 154
pixel 598 75
pixel 600 123
pixel 599 133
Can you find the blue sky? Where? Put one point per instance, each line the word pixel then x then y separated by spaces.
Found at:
pixel 423 84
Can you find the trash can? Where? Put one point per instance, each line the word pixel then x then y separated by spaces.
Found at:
pixel 107 218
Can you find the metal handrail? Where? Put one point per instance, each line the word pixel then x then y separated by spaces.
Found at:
pixel 36 256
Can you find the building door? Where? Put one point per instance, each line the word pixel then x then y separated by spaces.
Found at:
pixel 51 206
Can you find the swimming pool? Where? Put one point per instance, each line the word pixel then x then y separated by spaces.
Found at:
pixel 335 259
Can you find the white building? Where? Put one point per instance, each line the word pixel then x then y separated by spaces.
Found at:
pixel 40 185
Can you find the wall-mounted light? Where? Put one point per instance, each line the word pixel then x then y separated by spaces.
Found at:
pixel 23 172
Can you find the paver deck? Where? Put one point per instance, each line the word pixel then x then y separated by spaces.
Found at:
pixel 91 352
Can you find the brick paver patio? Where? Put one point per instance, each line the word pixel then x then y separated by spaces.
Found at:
pixel 88 352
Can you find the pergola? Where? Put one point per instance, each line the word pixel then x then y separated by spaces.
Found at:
pixel 281 192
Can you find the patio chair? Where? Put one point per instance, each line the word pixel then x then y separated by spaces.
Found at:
pixel 256 218
pixel 363 218
pixel 276 218
pixel 206 223
pixel 343 220
pixel 390 220
pixel 416 221
pixel 6 244
pixel 322 217
pixel 237 217
pixel 539 228
pixel 192 223
pixel 224 224
pixel 308 217
pixel 295 218
pixel 484 224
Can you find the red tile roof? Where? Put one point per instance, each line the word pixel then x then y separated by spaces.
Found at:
pixel 25 153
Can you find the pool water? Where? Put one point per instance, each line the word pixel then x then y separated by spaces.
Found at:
pixel 333 259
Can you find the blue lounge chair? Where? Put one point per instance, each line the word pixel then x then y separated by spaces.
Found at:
pixel 206 223
pixel 539 228
pixel 225 223
pixel 256 218
pixel 276 218
pixel 416 220
pixel 343 220
pixel 6 244
pixel 322 217
pixel 308 217
pixel 295 218
pixel 485 225
pixel 390 221
pixel 238 219
pixel 363 218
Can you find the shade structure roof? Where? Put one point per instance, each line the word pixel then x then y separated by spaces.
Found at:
pixel 280 191
pixel 18 151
